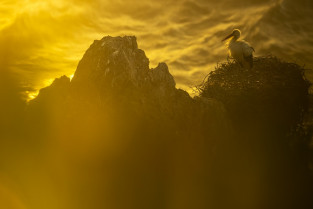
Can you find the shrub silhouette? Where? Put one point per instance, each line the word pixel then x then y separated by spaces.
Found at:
pixel 267 106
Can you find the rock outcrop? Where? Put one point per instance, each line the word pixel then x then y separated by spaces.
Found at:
pixel 145 135
pixel 116 63
pixel 126 133
pixel 115 73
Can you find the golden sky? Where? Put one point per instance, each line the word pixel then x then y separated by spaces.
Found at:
pixel 41 40
pixel 44 39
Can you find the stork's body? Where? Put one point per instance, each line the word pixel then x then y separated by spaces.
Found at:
pixel 241 50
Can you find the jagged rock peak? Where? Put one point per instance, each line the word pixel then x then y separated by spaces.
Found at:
pixel 161 75
pixel 56 91
pixel 116 62
pixel 61 81
pixel 116 42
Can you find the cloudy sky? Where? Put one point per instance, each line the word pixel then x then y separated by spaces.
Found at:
pixel 41 40
pixel 44 39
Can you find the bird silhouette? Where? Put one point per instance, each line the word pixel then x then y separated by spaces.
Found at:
pixel 240 50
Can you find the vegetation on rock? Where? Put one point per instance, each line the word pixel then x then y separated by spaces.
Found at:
pixel 269 109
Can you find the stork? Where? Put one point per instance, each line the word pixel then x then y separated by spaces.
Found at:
pixel 240 50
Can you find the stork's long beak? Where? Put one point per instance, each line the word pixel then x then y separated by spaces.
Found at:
pixel 230 35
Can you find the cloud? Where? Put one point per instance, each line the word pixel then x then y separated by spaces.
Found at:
pixel 41 40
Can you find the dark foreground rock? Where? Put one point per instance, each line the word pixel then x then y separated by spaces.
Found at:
pixel 129 137
pixel 120 135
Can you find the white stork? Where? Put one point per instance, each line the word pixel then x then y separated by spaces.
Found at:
pixel 241 50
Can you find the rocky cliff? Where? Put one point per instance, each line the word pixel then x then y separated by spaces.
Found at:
pixel 146 138
pixel 126 133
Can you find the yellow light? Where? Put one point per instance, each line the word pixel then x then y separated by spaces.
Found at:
pixel 31 95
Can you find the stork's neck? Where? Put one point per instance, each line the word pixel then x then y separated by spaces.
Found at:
pixel 234 39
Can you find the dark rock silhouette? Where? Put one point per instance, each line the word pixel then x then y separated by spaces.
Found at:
pixel 152 142
pixel 130 139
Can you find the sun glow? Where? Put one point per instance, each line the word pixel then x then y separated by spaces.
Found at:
pixel 30 95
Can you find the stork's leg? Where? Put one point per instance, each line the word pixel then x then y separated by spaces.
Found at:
pixel 228 58
pixel 249 60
